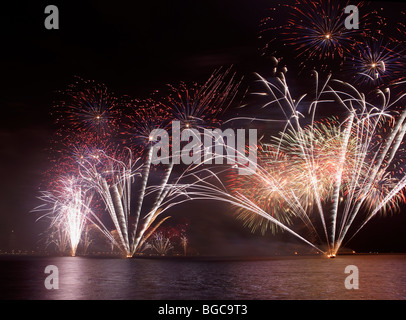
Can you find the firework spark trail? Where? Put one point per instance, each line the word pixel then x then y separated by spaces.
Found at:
pixel 142 118
pixel 92 109
pixel 57 236
pixel 196 108
pixel 111 177
pixel 162 192
pixel 338 183
pixel 199 106
pixel 294 117
pixel 161 244
pixel 66 212
pixel 394 140
pixel 392 193
pixel 203 189
pixel 334 176
pixel 378 161
pixel 271 181
pixel 75 216
pixel 146 169
pixel 69 208
pixel 338 178
pixel 364 120
pixel 365 140
pixel 360 154
pixel 93 114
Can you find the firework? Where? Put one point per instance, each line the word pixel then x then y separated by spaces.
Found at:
pixel 84 148
pixel 377 63
pixel 161 244
pixel 193 108
pixel 200 106
pixel 332 176
pixel 69 209
pixel 89 107
pixel 184 242
pixel 111 179
pixel 58 238
pixel 263 194
pixel 132 189
pixel 114 178
pixel 283 160
pixel 315 30
pixel 145 117
pixel 141 117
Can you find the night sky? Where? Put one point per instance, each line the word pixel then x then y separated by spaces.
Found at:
pixel 134 48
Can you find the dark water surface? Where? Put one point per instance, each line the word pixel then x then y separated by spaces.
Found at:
pixel 380 277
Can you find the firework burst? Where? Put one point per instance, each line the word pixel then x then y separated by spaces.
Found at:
pixel 315 30
pixel 69 209
pixel 330 176
pixel 199 106
pixel 89 107
pixel 377 63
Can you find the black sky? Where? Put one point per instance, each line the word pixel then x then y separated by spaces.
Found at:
pixel 134 47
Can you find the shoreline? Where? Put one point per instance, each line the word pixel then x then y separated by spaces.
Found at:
pixel 195 258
